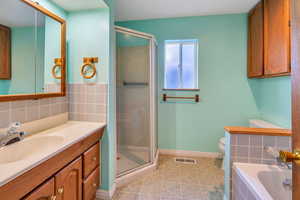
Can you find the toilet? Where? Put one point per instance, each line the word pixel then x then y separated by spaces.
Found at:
pixel 222 145
pixel 222 149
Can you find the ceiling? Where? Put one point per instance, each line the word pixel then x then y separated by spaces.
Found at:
pixel 75 5
pixel 154 9
pixel 22 15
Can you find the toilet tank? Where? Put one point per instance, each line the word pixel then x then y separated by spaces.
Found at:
pixel 256 123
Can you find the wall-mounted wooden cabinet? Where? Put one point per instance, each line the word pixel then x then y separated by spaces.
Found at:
pixel 269 39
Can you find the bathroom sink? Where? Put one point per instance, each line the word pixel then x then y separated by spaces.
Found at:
pixel 28 147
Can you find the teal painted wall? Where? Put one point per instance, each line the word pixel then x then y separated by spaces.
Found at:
pixel 225 92
pixel 273 98
pixel 52 47
pixel 23 61
pixel 109 139
pixel 88 36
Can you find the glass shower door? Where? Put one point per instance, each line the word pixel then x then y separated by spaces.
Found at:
pixel 133 102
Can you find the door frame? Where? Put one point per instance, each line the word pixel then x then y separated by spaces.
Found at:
pixel 295 53
pixel 153 98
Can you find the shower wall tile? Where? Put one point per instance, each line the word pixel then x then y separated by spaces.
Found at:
pixel 87 102
pixel 31 110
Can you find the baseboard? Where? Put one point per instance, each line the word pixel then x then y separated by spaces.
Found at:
pixel 106 195
pixel 184 153
pixel 125 179
pixel 224 197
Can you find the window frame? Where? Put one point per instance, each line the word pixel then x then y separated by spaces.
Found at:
pixel 196 74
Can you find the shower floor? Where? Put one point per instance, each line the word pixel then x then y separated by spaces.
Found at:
pixel 129 159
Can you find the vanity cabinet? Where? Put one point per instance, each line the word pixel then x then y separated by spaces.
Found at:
pixel 73 174
pixel 269 39
pixel 70 183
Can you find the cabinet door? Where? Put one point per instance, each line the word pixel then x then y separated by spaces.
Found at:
pixel 44 192
pixel 5 51
pixel 256 42
pixel 277 37
pixel 69 182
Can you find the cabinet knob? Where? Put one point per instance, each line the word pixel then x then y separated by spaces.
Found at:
pixel 53 197
pixel 94 158
pixel 94 185
pixel 60 190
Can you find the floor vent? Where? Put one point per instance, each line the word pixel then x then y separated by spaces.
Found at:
pixel 186 160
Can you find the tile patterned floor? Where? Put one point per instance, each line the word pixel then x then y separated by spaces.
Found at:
pixel 176 181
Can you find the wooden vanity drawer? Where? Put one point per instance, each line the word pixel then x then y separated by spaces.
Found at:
pixel 91 159
pixel 90 185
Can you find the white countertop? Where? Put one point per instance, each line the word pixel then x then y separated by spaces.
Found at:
pixel 65 135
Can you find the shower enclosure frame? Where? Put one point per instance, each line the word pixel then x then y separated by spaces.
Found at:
pixel 152 94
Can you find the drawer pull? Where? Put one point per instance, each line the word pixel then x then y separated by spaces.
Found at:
pixel 53 197
pixel 94 158
pixel 60 190
pixel 94 185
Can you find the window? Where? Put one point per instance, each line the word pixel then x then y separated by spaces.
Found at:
pixel 181 64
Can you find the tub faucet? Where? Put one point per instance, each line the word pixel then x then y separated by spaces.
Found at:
pixel 276 154
pixel 12 135
pixel 284 164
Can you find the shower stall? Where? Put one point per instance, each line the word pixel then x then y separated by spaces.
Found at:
pixel 136 100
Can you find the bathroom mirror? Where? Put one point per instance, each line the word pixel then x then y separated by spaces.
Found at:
pixel 32 51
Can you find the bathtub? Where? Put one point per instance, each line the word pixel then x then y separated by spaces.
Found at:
pixel 260 182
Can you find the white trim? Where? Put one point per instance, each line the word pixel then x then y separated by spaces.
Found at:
pixel 224 197
pixel 174 152
pixel 153 97
pixel 125 179
pixel 106 195
pixel 135 33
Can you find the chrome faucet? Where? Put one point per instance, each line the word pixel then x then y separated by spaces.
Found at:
pixel 12 135
pixel 282 164
pixel 275 153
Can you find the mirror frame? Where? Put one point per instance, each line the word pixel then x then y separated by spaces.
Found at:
pixel 62 92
